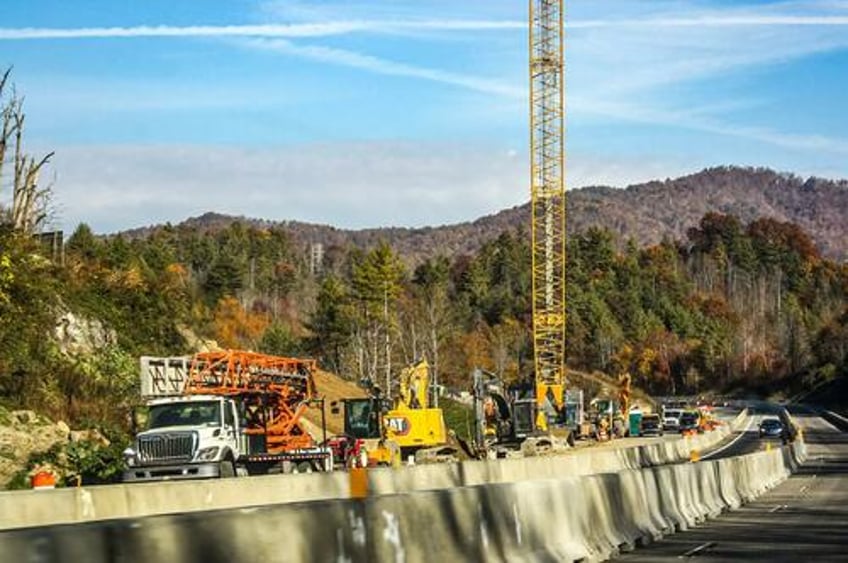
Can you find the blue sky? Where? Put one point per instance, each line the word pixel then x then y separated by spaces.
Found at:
pixel 407 112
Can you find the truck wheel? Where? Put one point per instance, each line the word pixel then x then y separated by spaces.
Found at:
pixel 303 467
pixel 227 469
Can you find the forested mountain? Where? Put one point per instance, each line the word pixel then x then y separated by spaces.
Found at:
pixel 647 213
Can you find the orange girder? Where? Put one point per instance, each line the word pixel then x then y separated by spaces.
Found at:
pixel 275 392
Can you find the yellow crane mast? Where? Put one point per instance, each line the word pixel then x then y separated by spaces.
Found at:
pixel 547 187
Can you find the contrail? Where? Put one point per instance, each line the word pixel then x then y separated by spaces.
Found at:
pixel 715 21
pixel 292 31
pixel 301 30
pixel 369 63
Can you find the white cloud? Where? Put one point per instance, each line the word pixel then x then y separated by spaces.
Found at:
pixel 348 185
pixel 344 184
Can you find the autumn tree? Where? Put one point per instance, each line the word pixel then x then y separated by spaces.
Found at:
pixel 237 328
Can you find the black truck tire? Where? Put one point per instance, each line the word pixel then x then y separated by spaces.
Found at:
pixel 227 469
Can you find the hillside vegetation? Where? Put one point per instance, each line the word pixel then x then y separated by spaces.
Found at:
pixel 734 305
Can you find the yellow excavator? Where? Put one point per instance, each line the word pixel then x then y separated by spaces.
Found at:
pixel 380 433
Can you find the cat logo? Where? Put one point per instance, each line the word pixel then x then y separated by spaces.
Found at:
pixel 398 425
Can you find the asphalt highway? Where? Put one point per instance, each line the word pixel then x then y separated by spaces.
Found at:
pixel 747 440
pixel 805 518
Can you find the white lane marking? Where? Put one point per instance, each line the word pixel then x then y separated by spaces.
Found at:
pixel 779 507
pixel 724 447
pixel 842 418
pixel 697 550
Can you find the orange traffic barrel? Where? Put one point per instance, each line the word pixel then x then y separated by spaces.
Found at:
pixel 43 480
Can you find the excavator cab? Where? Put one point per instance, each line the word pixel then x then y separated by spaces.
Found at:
pixel 362 418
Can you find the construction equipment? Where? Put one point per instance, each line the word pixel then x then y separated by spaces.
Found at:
pixel 503 419
pixel 380 432
pixel 624 393
pixel 219 414
pixel 575 415
pixel 547 188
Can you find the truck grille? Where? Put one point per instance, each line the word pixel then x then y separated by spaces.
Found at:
pixel 167 447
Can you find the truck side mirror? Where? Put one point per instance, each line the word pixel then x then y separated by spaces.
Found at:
pixel 140 417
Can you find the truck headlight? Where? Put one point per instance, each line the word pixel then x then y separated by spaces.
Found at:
pixel 130 457
pixel 208 454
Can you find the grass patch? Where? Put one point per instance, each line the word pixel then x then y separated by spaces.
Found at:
pixel 5 417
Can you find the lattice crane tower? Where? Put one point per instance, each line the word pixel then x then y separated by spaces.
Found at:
pixel 547 186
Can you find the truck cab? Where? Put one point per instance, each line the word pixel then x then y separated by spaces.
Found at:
pixel 186 437
pixel 671 419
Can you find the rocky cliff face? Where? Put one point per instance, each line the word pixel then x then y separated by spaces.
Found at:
pixel 76 335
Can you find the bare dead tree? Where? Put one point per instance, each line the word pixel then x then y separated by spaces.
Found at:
pixel 6 117
pixel 30 200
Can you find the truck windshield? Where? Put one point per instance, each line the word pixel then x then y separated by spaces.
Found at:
pixel 185 414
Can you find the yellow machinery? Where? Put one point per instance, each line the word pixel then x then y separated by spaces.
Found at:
pixel 386 436
pixel 624 394
pixel 547 187
pixel 412 423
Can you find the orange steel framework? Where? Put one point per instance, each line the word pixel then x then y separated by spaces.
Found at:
pixel 275 392
pixel 547 172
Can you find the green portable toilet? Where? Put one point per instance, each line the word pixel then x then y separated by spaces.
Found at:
pixel 635 423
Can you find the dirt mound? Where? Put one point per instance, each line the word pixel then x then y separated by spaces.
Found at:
pixel 332 388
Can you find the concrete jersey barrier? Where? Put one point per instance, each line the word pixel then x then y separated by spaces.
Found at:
pixel 65 506
pixel 588 517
